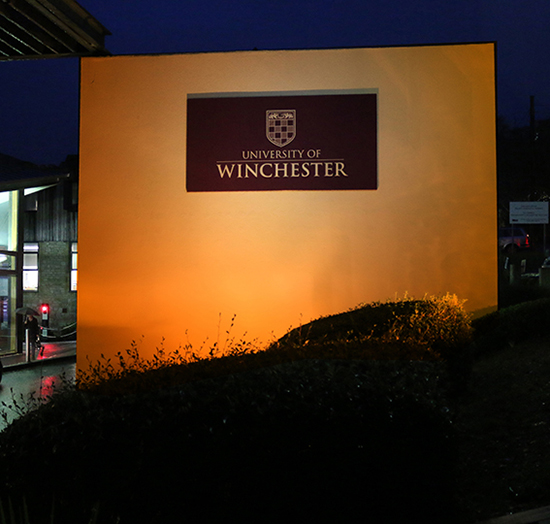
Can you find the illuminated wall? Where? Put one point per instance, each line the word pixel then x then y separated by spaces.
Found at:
pixel 156 261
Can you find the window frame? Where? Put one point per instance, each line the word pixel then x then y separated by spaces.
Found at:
pixel 73 267
pixel 31 269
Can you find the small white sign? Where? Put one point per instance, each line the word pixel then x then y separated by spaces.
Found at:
pixel 528 212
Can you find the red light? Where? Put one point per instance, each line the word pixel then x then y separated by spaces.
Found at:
pixel 45 308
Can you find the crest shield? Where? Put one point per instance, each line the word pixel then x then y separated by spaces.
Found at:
pixel 280 126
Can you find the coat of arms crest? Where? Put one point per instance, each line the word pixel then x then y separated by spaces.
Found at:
pixel 280 126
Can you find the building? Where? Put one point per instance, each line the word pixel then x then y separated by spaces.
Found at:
pixel 38 249
pixel 38 204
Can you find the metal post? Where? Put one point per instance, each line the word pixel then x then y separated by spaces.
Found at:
pixel 27 346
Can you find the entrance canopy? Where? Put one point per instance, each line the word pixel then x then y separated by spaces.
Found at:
pixel 17 174
pixel 47 29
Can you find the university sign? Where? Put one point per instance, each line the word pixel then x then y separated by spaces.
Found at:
pixel 266 142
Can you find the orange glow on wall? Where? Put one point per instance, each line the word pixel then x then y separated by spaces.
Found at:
pixel 158 262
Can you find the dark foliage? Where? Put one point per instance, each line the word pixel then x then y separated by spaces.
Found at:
pixel 427 329
pixel 332 440
pixel 509 326
pixel 511 295
pixel 317 429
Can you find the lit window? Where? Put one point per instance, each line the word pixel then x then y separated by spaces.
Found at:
pixel 74 255
pixel 30 267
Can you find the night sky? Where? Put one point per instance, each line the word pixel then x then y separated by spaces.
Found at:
pixel 39 98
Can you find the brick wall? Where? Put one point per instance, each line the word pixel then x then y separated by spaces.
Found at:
pixel 54 284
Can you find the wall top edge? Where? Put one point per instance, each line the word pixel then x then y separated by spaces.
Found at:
pixel 293 50
pixel 314 92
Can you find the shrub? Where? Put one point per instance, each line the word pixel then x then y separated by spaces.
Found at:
pixel 506 327
pixel 426 329
pixel 345 416
pixel 511 294
pixel 433 328
pixel 132 373
pixel 430 329
pixel 326 439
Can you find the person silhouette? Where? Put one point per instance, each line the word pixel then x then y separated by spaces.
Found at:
pixel 31 325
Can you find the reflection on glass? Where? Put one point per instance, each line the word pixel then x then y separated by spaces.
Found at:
pixel 7 261
pixel 8 220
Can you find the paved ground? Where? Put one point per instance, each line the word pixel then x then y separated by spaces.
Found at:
pixel 533 516
pixel 38 377
pixel 52 351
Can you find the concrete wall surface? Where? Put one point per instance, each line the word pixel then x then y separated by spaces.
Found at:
pixel 157 262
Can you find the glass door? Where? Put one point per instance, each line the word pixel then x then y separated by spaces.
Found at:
pixel 8 324
pixel 9 272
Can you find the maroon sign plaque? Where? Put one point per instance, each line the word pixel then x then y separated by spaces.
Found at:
pixel 288 142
